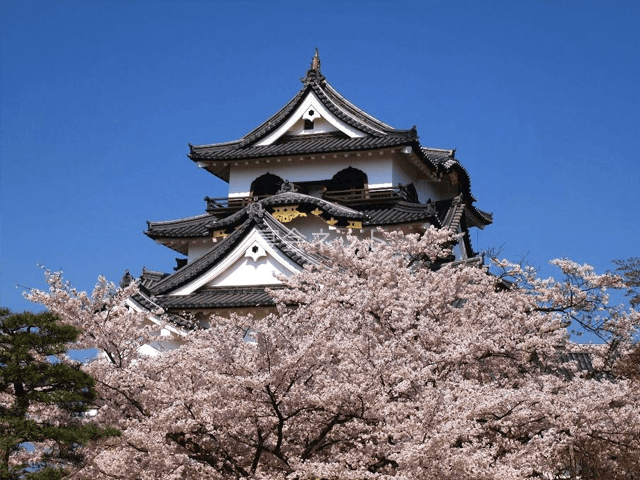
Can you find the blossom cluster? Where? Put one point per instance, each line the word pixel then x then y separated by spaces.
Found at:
pixel 380 363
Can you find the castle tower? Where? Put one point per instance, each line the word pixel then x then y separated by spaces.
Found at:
pixel 319 168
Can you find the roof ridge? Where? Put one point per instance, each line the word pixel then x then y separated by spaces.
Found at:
pixel 237 287
pixel 231 142
pixel 357 109
pixel 199 265
pixel 183 219
pixel 451 151
pixel 267 126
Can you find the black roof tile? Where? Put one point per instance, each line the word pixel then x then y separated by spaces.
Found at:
pixel 181 228
pixel 201 225
pixel 377 135
pixel 399 212
pixel 301 146
pixel 583 360
pixel 220 297
pixel 279 235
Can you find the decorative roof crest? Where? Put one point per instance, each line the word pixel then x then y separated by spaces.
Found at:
pixel 314 74
pixel 315 61
pixel 287 186
pixel 256 211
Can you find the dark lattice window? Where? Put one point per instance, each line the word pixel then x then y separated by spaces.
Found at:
pixel 267 184
pixel 348 179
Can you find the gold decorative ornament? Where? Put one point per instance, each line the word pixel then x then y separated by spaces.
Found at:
pixel 316 212
pixel 219 234
pixel 354 224
pixel 332 221
pixel 286 214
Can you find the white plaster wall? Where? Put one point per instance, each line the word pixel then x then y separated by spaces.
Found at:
pixel 311 103
pixel 405 173
pixel 246 271
pixel 438 190
pixel 320 125
pixel 196 250
pixel 378 168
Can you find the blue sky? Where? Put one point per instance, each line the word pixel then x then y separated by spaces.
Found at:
pixel 99 99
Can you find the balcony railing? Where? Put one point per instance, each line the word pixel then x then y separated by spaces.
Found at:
pixel 228 205
pixel 223 206
pixel 362 195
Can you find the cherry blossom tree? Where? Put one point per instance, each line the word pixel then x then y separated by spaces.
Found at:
pixel 630 271
pixel 382 362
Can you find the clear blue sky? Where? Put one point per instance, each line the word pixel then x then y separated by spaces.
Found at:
pixel 99 99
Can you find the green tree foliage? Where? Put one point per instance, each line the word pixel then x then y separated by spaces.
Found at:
pixel 43 398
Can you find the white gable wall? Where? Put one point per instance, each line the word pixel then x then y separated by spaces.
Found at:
pixel 311 103
pixel 232 268
pixel 246 271
pixel 320 125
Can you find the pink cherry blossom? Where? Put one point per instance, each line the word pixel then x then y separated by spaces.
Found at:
pixel 382 362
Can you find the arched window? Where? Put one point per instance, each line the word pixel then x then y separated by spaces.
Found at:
pixel 267 184
pixel 348 179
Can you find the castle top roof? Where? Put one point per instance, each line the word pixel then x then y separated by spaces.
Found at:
pixel 352 128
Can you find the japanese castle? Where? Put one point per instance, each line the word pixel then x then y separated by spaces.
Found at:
pixel 319 168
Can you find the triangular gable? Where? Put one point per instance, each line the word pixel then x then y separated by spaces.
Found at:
pixel 253 261
pixel 312 109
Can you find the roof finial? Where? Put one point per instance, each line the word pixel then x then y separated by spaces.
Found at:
pixel 315 62
pixel 313 74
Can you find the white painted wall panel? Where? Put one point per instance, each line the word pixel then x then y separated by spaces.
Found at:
pixel 246 271
pixel 378 168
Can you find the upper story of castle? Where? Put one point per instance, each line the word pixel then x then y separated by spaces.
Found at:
pixel 325 146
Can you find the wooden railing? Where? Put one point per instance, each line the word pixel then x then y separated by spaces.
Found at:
pixel 227 205
pixel 362 195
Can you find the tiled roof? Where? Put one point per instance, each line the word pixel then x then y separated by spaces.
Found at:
pixel 399 212
pixel 332 100
pixel 149 278
pixel 279 235
pixel 330 208
pixel 151 305
pixel 285 240
pixel 306 202
pixel 219 297
pixel 300 146
pixel 181 228
pixel 200 265
pixel 454 214
pixel 583 360
pixel 201 225
pixel 445 162
pixel 377 135
pixel 438 214
pixel 473 216
pixel 478 218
